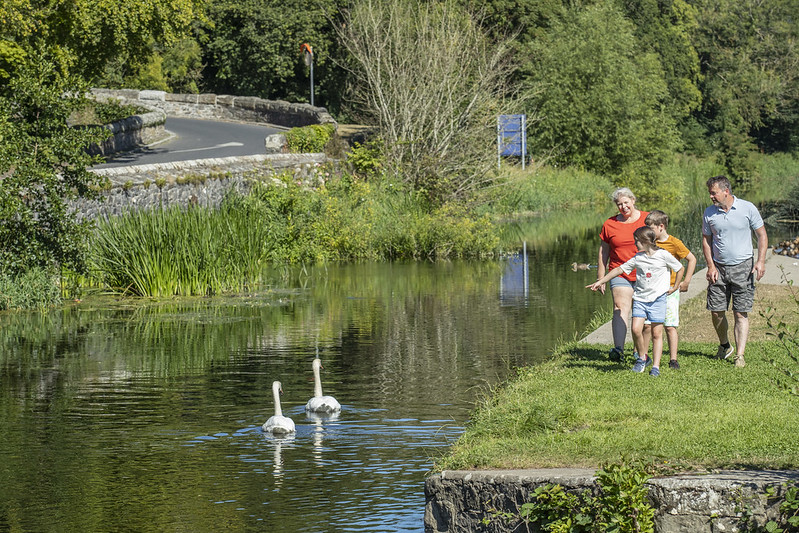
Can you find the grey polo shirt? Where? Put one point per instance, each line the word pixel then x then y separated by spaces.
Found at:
pixel 732 231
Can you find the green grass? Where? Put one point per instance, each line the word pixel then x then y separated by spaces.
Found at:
pixel 581 410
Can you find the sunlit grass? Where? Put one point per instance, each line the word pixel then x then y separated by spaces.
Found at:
pixel 582 410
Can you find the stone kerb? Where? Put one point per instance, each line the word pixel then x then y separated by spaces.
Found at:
pixel 224 107
pixel 469 501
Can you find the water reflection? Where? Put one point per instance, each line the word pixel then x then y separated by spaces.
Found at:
pixel 319 422
pixel 153 410
pixel 515 281
pixel 277 470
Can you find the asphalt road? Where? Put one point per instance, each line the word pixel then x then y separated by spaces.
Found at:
pixel 198 139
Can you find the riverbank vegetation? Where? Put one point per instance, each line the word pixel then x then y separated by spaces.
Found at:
pixel 198 251
pixel 579 409
pixel 660 96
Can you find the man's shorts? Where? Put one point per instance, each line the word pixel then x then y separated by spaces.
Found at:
pixel 654 311
pixel 672 310
pixel 736 282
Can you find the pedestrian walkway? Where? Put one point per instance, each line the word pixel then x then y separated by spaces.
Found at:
pixel 780 270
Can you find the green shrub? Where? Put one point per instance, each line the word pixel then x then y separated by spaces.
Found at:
pixel 366 160
pixel 309 139
pixel 97 113
pixel 621 506
pixel 36 288
pixel 113 111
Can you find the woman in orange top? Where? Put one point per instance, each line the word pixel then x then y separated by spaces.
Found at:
pixel 617 246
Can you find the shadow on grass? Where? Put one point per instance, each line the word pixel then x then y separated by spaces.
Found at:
pixel 592 357
pixel 596 357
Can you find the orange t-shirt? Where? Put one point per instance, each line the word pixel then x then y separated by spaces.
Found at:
pixel 619 236
pixel 675 247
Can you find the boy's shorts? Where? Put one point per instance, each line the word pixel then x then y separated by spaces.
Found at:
pixel 736 282
pixel 672 311
pixel 654 311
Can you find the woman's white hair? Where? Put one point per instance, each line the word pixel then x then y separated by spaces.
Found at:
pixel 622 192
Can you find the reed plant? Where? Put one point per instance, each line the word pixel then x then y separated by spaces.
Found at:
pixel 198 251
pixel 178 251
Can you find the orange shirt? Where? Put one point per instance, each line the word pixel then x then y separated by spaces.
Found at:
pixel 622 243
pixel 675 247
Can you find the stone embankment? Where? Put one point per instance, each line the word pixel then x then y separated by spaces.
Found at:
pixel 470 501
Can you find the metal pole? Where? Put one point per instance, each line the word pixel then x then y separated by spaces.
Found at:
pixel 312 79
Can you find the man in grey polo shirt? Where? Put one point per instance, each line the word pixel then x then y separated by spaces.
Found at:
pixel 727 228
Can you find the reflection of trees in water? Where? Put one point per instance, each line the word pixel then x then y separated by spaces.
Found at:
pixel 413 328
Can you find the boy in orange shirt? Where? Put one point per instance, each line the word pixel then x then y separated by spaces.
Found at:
pixel 659 222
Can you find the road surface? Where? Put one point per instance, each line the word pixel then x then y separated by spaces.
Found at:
pixel 198 139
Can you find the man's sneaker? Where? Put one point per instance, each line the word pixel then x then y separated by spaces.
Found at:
pixel 655 372
pixel 641 364
pixel 739 361
pixel 724 353
pixel 674 365
pixel 616 355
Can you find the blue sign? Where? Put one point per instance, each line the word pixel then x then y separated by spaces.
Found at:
pixel 512 136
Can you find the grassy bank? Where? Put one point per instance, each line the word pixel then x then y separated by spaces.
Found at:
pixel 579 409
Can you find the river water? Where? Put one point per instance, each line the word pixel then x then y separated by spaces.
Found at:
pixel 122 415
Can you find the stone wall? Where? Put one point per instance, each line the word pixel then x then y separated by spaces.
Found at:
pixel 223 107
pixel 467 501
pixel 132 132
pixel 202 182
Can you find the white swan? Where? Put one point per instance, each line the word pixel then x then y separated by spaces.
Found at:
pixel 278 423
pixel 320 403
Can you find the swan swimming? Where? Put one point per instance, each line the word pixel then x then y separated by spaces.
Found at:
pixel 278 423
pixel 320 403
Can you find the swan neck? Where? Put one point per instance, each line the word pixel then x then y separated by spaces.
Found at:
pixel 317 382
pixel 276 394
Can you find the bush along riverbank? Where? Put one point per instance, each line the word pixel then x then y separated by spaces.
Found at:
pixel 197 251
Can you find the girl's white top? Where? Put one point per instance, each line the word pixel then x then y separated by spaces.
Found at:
pixel 652 274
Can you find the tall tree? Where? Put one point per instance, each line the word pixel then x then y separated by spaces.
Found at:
pixel 750 62
pixel 602 101
pixel 433 82
pixel 253 48
pixel 96 33
pixel 43 165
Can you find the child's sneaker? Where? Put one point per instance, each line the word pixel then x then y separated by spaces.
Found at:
pixel 674 365
pixel 641 364
pixel 655 372
pixel 739 361
pixel 616 355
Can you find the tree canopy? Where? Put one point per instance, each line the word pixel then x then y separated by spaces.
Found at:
pixel 43 165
